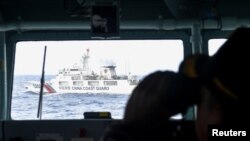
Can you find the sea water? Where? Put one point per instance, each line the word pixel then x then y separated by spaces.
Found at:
pixel 24 105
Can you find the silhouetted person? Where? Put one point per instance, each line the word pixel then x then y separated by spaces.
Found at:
pixel 217 85
pixel 223 82
pixel 159 96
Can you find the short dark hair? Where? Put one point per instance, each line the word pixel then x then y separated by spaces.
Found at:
pixel 159 96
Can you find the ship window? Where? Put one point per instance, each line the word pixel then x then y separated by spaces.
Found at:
pixel 66 96
pixel 93 83
pixel 78 83
pixel 63 83
pixel 110 83
pixel 76 77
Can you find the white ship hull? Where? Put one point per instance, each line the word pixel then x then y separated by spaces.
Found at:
pixel 119 87
pixel 95 86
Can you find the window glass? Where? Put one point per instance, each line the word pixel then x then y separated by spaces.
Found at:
pixel 214 45
pixel 85 76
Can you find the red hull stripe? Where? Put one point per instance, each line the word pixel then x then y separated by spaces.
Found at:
pixel 49 88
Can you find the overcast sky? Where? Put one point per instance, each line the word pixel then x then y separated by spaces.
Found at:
pixel 136 56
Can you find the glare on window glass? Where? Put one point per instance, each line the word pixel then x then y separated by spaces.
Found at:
pixel 85 76
pixel 214 45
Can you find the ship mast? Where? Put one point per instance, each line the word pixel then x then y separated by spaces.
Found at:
pixel 85 61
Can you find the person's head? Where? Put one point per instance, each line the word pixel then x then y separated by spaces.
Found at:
pixel 159 96
pixel 227 76
pixel 155 99
pixel 222 79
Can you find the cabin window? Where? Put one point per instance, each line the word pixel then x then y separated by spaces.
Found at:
pixel 110 83
pixel 76 77
pixel 63 83
pixel 93 83
pixel 214 45
pixel 126 63
pixel 78 83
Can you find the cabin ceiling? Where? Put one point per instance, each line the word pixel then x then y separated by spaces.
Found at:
pixel 50 10
pixel 209 8
pixel 134 14
pixel 33 10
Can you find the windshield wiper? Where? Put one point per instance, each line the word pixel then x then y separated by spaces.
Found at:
pixel 40 102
